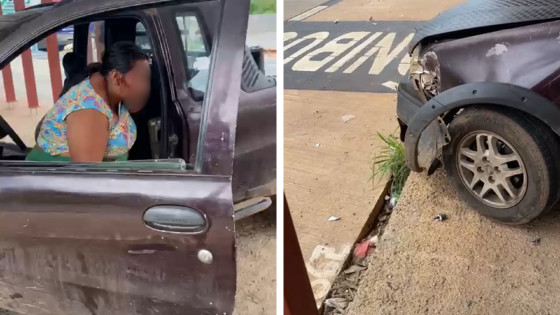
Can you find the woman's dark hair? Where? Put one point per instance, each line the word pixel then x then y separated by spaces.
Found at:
pixel 121 56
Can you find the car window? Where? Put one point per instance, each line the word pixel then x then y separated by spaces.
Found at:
pixel 142 39
pixel 26 127
pixel 197 53
pixel 96 42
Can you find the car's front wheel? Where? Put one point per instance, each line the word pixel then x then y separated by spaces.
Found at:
pixel 503 163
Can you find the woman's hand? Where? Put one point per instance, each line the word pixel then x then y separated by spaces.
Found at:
pixel 88 134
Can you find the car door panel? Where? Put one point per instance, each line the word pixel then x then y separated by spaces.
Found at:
pixel 75 250
pixel 73 239
pixel 254 166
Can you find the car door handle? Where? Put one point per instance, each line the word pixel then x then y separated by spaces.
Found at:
pixel 175 219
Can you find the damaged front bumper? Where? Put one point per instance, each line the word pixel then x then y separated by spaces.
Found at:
pixel 432 138
pixel 408 102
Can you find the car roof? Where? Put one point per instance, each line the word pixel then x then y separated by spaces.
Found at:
pixel 10 22
pixel 19 29
pixel 477 16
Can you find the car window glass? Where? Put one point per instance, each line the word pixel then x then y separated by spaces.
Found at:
pixel 259 67
pixel 26 122
pixel 197 53
pixel 142 39
pixel 17 113
pixel 96 42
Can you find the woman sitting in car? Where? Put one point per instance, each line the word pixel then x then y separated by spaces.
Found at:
pixel 91 122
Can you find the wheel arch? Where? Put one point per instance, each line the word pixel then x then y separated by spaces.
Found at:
pixel 481 93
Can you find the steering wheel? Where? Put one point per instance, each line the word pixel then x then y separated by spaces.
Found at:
pixel 6 130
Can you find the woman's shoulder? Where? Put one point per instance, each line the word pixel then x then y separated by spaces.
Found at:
pixel 81 96
pixel 78 91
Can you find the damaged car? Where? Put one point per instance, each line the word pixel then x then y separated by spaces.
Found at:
pixel 154 234
pixel 482 97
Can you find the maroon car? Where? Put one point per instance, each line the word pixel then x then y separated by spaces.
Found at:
pixel 483 97
pixel 155 234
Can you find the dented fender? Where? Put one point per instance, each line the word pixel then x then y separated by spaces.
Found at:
pixel 490 93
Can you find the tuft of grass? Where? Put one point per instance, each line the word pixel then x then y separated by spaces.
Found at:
pixel 263 7
pixel 391 162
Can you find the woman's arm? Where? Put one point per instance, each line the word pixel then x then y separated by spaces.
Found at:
pixel 88 134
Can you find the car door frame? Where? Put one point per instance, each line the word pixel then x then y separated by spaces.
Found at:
pixel 208 185
pixel 191 110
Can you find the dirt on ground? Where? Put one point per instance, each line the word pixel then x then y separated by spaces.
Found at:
pixel 466 264
pixel 256 265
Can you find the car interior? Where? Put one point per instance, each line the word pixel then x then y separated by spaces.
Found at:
pixel 150 130
pixel 148 120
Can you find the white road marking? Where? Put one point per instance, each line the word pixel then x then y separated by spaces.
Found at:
pixel 343 49
pixel 317 39
pixel 353 53
pixel 308 13
pixel 405 64
pixel 334 47
pixel 289 36
pixel 391 84
pixel 385 54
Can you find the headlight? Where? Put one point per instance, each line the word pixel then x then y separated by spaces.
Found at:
pixel 424 73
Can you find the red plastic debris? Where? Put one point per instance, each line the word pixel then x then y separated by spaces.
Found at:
pixel 363 249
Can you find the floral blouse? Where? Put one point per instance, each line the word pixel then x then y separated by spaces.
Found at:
pixel 52 136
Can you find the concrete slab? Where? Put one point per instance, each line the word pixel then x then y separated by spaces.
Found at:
pixel 383 10
pixel 327 170
pixel 295 7
pixel 464 265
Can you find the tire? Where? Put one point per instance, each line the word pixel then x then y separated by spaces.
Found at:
pixel 514 135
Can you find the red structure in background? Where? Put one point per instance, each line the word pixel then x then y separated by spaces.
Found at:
pixel 9 91
pixel 298 295
pixel 28 74
pixel 54 63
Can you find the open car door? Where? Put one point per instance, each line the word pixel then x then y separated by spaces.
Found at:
pixel 84 239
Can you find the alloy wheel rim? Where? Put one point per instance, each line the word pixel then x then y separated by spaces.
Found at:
pixel 491 169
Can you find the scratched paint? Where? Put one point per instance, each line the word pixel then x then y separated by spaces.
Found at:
pixel 346 56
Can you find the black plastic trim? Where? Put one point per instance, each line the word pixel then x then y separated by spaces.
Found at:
pixel 490 93
pixel 408 102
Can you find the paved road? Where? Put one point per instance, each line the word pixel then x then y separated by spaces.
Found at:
pixel 346 56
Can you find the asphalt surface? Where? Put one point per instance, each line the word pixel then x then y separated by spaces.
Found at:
pixel 346 56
